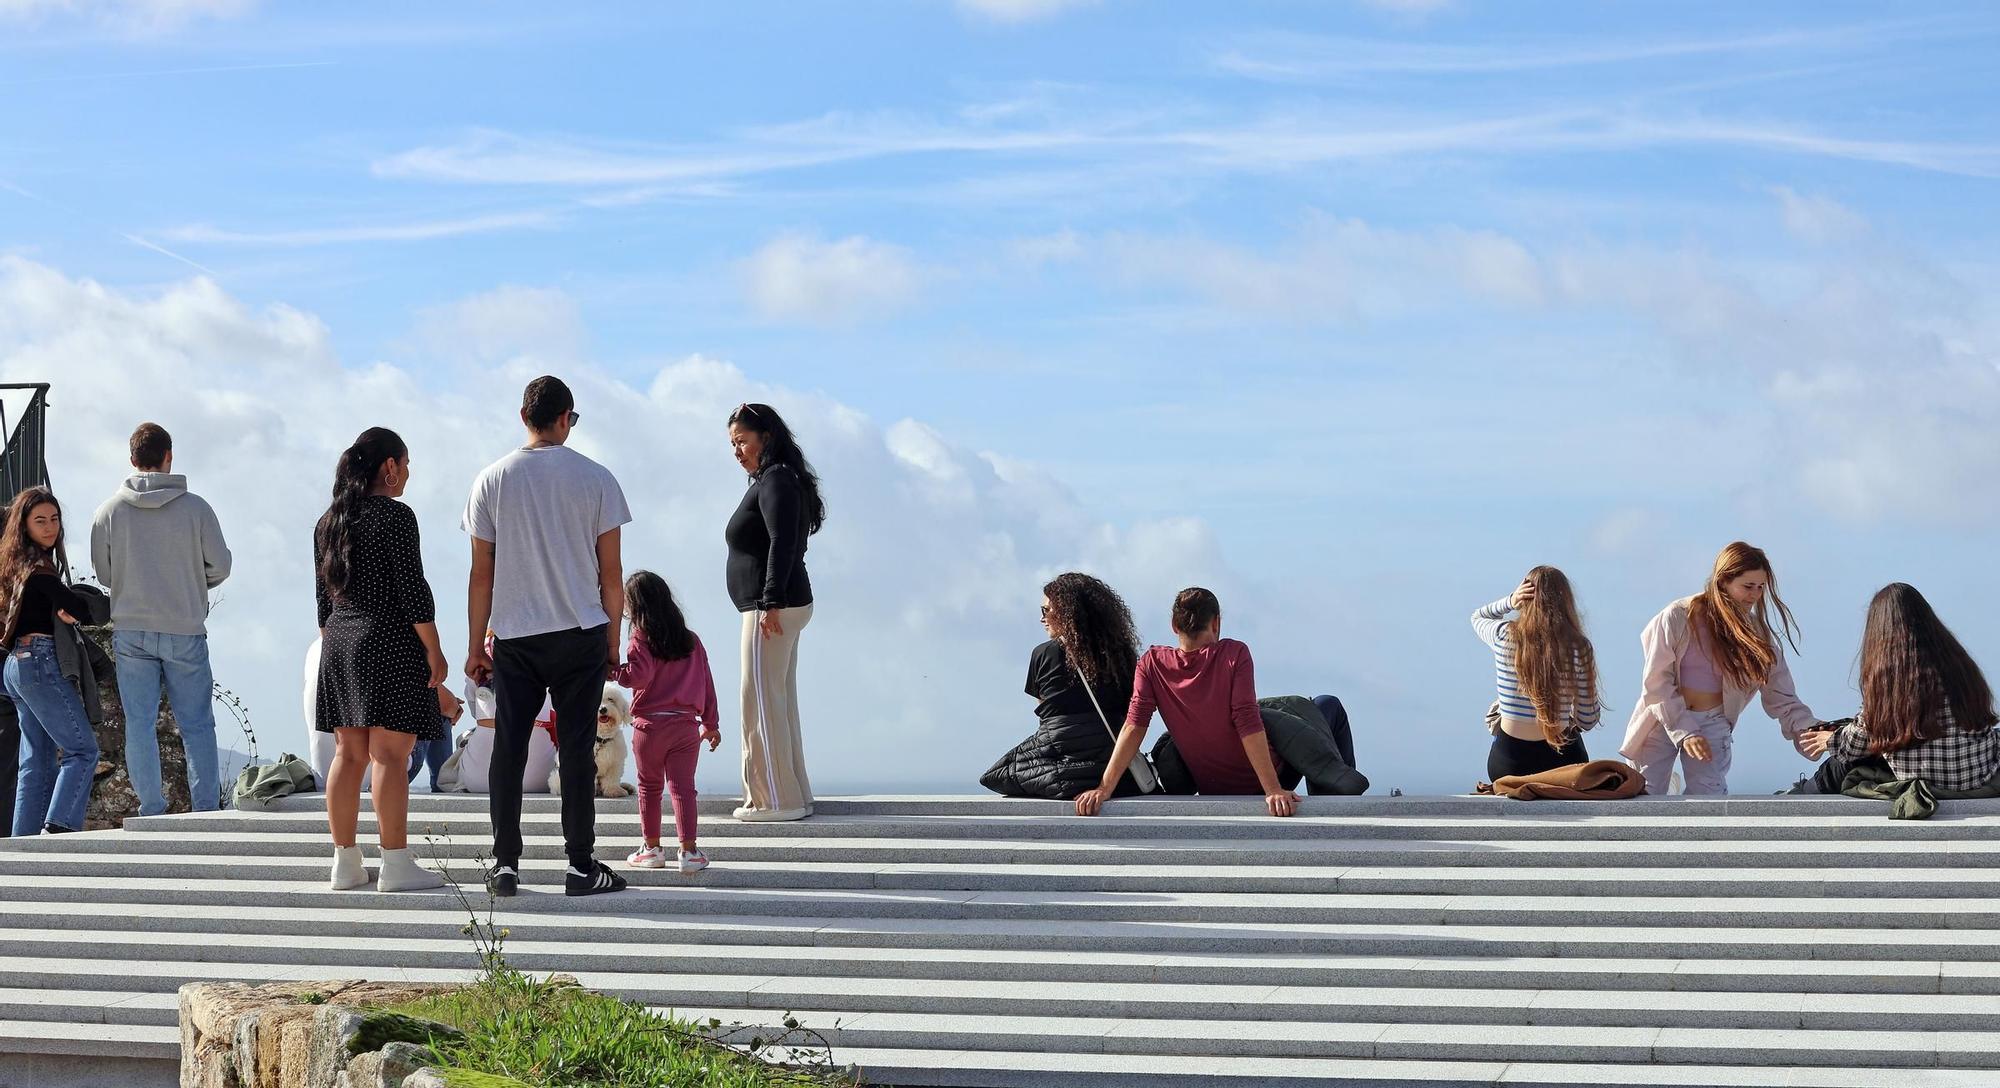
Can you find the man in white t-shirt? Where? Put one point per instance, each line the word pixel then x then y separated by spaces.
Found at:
pixel 548 581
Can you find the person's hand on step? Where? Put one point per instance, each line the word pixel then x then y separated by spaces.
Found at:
pixel 1282 803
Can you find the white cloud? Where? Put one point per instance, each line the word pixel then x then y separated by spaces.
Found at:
pixel 1337 269
pixel 501 324
pixel 1409 7
pixel 797 277
pixel 927 573
pixel 416 231
pixel 134 16
pixel 1818 219
pixel 1018 11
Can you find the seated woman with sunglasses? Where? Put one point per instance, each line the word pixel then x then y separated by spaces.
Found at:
pixel 1090 653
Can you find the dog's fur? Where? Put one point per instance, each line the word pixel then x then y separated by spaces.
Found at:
pixel 614 713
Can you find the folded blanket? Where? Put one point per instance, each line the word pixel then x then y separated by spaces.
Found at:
pixel 1598 780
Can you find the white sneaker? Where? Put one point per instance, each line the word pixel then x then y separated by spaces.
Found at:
pixel 693 861
pixel 769 815
pixel 648 857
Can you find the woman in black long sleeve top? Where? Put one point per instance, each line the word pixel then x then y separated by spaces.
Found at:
pixel 52 790
pixel 766 575
pixel 380 663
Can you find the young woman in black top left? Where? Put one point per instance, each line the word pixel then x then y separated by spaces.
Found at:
pixel 380 661
pixel 53 791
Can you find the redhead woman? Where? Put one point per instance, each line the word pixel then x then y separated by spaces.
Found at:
pixel 1706 656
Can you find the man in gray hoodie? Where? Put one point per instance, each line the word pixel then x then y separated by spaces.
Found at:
pixel 158 550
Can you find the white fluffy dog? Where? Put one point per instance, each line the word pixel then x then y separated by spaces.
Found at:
pixel 614 713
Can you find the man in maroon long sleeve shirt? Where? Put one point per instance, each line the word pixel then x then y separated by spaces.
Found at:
pixel 1205 690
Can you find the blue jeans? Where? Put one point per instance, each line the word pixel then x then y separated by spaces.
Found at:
pixel 58 747
pixel 433 752
pixel 145 660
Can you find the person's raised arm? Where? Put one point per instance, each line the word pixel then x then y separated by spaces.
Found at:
pixel 1491 620
pixel 611 591
pixel 479 612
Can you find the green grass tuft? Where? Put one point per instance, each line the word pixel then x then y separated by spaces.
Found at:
pixel 557 1035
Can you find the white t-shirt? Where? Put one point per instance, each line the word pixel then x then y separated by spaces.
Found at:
pixel 543 509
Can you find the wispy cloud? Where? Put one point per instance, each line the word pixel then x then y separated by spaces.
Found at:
pixel 131 16
pixel 1158 142
pixel 1305 57
pixel 419 231
pixel 1018 11
pixel 163 251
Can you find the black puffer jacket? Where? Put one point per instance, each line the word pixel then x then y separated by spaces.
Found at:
pixel 1060 760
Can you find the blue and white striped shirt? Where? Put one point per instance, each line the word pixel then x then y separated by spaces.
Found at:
pixel 1491 624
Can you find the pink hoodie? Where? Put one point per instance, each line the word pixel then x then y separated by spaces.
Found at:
pixel 661 689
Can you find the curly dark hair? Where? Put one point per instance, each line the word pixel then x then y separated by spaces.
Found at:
pixel 1095 628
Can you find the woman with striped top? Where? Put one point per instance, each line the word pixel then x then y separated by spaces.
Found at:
pixel 1546 677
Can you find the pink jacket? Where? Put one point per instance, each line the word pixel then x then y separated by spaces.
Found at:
pixel 661 689
pixel 1664 640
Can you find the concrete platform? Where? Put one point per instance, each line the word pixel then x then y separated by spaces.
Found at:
pixel 986 942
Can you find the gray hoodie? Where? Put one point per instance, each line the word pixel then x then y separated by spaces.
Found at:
pixel 158 550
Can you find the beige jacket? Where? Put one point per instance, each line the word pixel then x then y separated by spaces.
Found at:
pixel 1664 640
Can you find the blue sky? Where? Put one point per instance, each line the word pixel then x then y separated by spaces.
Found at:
pixel 1352 310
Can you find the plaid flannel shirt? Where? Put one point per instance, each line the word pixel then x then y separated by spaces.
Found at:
pixel 1961 759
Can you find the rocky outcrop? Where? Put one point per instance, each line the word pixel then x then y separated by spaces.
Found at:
pixel 301 1035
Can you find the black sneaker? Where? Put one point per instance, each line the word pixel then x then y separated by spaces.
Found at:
pixel 600 880
pixel 503 880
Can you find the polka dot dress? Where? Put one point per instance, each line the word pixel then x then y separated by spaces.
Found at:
pixel 372 671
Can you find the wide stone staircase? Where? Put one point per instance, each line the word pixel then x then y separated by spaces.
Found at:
pixel 992 942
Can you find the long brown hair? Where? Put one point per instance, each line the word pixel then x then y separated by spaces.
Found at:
pixel 1743 643
pixel 20 556
pixel 1553 660
pixel 1912 667
pixel 1095 628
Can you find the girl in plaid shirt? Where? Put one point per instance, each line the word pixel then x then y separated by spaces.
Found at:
pixel 1926 709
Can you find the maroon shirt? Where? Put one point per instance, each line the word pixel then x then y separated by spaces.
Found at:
pixel 1208 698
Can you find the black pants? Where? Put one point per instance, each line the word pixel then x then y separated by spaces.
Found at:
pixel 1314 743
pixel 569 667
pixel 1510 755
pixel 10 762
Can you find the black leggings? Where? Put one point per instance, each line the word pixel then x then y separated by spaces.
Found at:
pixel 1511 755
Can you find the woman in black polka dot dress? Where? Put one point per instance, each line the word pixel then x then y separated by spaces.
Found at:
pixel 380 663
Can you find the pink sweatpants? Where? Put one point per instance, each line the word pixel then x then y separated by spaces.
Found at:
pixel 667 750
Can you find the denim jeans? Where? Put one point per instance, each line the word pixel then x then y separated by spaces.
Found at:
pixel 145 660
pixel 433 752
pixel 58 747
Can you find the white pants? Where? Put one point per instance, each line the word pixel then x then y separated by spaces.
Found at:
pixel 477 758
pixel 1657 752
pixel 774 758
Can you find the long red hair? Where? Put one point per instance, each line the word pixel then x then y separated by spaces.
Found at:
pixel 1742 641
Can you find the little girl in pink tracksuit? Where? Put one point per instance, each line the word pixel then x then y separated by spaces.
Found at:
pixel 673 711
